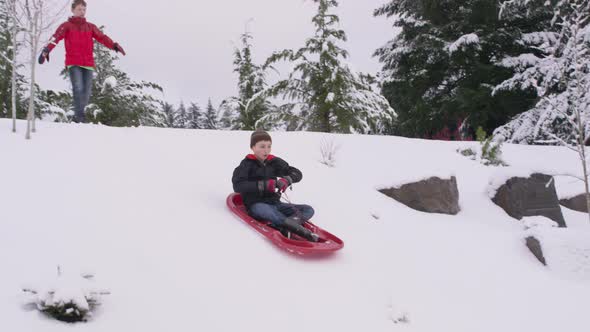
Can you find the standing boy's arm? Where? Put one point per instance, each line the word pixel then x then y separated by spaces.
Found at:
pixel 102 38
pixel 59 34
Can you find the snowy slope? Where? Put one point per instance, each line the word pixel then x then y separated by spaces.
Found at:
pixel 144 210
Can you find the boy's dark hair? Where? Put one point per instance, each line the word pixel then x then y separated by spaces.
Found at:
pixel 259 135
pixel 76 3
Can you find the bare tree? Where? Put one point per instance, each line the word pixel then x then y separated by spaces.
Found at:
pixel 575 75
pixel 579 27
pixel 39 16
pixel 15 30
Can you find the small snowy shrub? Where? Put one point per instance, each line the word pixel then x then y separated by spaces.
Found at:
pixel 68 298
pixel 469 152
pixel 490 150
pixel 328 152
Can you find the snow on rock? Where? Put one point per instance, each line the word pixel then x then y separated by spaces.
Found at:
pixel 500 177
pixel 566 251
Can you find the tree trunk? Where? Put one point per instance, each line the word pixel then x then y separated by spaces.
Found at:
pixel 14 66
pixel 582 149
pixel 34 41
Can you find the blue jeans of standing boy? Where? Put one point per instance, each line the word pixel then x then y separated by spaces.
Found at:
pixel 277 213
pixel 82 88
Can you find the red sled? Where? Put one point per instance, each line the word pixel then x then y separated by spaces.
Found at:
pixel 327 243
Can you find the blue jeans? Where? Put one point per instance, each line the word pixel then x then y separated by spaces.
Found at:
pixel 277 213
pixel 82 88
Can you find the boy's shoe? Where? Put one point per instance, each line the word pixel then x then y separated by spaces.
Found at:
pixel 293 226
pixel 314 237
pixel 285 233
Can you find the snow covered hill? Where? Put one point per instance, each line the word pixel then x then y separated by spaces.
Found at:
pixel 144 210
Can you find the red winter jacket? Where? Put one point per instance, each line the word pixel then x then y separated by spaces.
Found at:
pixel 78 34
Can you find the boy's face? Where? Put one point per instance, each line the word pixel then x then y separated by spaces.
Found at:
pixel 262 150
pixel 79 11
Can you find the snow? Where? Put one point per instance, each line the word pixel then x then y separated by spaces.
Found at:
pixel 330 97
pixel 538 221
pixel 568 186
pixel 541 38
pixel 522 61
pixel 566 251
pixel 144 210
pixel 110 82
pixel 62 289
pixel 463 42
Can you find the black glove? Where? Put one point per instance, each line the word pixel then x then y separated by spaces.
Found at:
pixel 118 48
pixel 44 56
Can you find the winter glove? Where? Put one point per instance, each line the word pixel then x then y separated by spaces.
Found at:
pixel 44 56
pixel 118 48
pixel 267 186
pixel 283 183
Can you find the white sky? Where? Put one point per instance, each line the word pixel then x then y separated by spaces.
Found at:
pixel 187 46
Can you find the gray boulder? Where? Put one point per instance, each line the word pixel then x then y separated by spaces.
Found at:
pixel 533 196
pixel 534 246
pixel 433 195
pixel 577 203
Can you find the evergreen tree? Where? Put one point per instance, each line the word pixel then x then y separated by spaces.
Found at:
pixel 53 106
pixel 210 118
pixel 181 116
pixel 322 92
pixel 5 62
pixel 194 116
pixel 229 114
pixel 169 115
pixel 442 66
pixel 6 65
pixel 116 99
pixel 559 72
pixel 251 104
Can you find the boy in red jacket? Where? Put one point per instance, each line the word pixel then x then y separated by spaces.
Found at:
pixel 78 35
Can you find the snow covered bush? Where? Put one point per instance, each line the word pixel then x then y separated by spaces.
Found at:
pixel 67 298
pixel 559 73
pixel 490 151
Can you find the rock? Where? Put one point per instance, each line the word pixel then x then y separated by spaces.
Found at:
pixel 577 203
pixel 535 247
pixel 533 196
pixel 433 195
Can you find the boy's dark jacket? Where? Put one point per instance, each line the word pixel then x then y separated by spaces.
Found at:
pixel 246 178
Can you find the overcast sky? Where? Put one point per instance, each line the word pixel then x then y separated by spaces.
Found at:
pixel 187 46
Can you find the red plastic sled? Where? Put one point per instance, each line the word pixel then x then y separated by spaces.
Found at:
pixel 328 242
